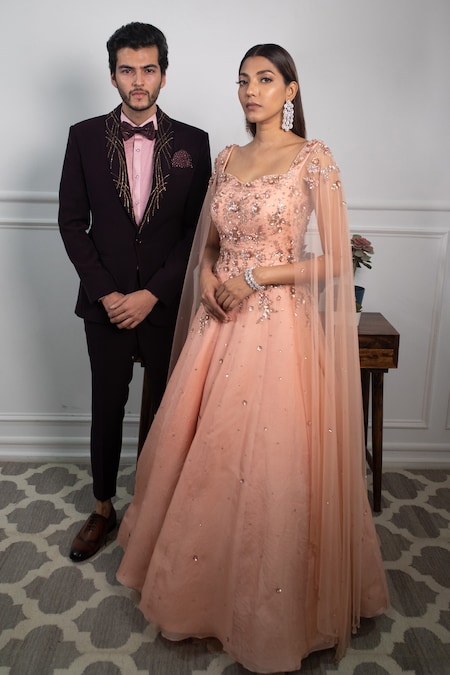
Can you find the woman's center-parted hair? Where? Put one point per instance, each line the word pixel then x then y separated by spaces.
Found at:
pixel 284 63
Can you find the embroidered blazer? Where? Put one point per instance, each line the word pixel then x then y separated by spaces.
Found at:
pixel 109 250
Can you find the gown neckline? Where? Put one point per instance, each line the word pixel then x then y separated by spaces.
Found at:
pixel 264 176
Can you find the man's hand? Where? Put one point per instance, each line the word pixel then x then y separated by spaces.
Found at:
pixel 128 311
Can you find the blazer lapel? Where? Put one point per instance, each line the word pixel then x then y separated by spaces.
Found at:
pixel 162 159
pixel 117 161
pixel 118 164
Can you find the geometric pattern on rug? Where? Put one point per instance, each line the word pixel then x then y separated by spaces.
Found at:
pixel 58 618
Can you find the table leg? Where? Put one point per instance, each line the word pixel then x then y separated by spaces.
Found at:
pixel 377 435
pixel 365 386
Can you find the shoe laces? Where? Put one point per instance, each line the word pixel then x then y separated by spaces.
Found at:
pixel 92 521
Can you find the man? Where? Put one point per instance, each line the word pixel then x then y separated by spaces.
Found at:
pixel 129 203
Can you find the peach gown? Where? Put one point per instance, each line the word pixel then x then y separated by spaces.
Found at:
pixel 250 521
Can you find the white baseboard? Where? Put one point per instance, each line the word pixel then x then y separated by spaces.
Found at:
pixel 57 438
pixel 417 457
pixel 76 449
pixel 57 450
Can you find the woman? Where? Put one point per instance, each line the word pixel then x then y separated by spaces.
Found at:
pixel 250 520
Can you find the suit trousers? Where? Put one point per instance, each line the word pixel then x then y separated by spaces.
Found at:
pixel 111 353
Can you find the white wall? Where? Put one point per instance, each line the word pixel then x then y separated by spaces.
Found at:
pixel 375 87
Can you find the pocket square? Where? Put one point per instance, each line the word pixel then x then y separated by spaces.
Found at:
pixel 182 160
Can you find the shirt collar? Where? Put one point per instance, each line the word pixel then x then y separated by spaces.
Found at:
pixel 124 118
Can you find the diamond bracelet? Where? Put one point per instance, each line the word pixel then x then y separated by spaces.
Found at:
pixel 249 278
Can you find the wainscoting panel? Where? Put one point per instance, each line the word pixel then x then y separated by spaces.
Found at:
pixel 44 370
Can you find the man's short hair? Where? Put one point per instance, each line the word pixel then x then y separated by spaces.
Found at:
pixel 137 35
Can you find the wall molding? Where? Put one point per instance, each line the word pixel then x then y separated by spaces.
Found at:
pixel 19 223
pixel 9 218
pixel 37 197
pixel 28 197
pixel 440 234
pixel 28 223
pixel 399 206
pixel 25 210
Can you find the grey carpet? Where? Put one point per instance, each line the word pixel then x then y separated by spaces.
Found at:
pixel 57 617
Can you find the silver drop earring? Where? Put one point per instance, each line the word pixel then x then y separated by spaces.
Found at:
pixel 288 116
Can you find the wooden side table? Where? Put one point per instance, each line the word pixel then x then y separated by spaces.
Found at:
pixel 378 352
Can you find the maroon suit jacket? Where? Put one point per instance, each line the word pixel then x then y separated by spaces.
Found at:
pixel 109 251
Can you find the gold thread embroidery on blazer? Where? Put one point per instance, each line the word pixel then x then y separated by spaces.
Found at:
pixel 117 161
pixel 118 164
pixel 163 146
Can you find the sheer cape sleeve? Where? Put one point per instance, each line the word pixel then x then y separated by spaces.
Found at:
pixel 338 499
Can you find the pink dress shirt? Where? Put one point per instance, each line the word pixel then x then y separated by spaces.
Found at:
pixel 139 156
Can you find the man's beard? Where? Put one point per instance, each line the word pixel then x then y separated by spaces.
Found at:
pixel 151 100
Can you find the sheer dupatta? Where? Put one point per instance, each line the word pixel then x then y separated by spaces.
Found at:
pixel 338 488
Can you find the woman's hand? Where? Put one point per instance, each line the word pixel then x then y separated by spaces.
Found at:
pixel 232 292
pixel 208 291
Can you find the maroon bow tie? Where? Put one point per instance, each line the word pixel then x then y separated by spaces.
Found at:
pixel 127 131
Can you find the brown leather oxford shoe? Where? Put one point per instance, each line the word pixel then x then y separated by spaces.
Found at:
pixel 92 536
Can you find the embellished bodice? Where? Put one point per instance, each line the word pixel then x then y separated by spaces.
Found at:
pixel 266 221
pixel 263 221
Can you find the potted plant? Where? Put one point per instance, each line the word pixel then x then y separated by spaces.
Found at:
pixel 362 250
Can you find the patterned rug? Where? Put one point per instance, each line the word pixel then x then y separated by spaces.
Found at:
pixel 57 617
